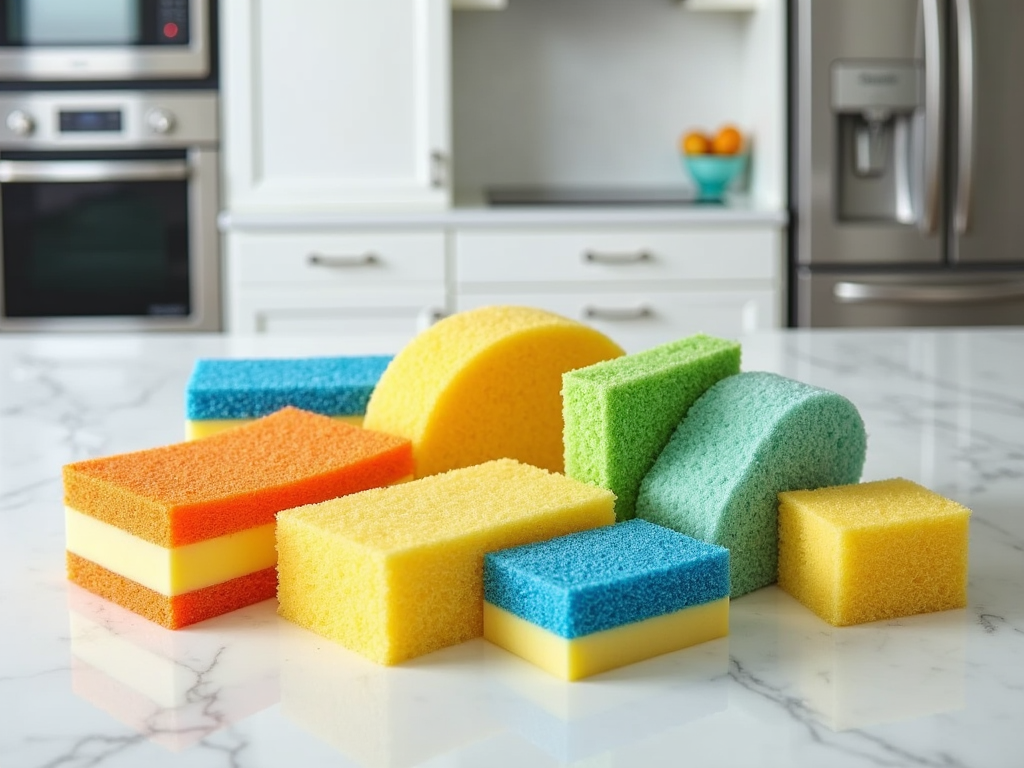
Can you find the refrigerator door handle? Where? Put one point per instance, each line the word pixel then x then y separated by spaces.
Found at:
pixel 863 293
pixel 968 111
pixel 933 86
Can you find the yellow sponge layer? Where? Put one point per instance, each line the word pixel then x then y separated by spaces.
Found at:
pixel 196 429
pixel 611 648
pixel 857 553
pixel 397 572
pixel 485 384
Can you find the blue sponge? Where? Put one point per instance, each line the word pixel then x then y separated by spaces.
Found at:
pixel 748 438
pixel 248 389
pixel 605 577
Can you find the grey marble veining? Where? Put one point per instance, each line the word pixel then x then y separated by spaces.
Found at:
pixel 84 683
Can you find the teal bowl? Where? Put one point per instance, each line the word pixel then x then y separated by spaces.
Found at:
pixel 713 173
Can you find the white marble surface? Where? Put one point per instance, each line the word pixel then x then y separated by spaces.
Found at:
pixel 82 683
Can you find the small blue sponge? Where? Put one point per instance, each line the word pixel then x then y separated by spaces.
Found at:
pixel 605 577
pixel 248 389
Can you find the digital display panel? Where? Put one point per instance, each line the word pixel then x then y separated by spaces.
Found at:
pixel 92 121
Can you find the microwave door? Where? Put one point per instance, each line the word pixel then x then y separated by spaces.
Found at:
pixel 987 148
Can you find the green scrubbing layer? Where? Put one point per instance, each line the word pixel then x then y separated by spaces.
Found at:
pixel 620 413
pixel 747 439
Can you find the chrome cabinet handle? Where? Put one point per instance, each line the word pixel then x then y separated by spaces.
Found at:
pixel 618 314
pixel 14 171
pixel 863 293
pixel 933 85
pixel 610 257
pixel 342 261
pixel 438 169
pixel 968 109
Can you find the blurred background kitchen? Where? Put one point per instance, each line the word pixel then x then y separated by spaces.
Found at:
pixel 338 166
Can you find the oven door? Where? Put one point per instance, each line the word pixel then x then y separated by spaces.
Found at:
pixel 109 240
pixel 68 40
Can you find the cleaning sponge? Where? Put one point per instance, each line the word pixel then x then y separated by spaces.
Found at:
pixel 224 393
pixel 484 384
pixel 879 550
pixel 598 599
pixel 620 413
pixel 746 439
pixel 396 572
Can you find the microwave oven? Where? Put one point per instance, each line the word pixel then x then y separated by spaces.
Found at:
pixel 105 40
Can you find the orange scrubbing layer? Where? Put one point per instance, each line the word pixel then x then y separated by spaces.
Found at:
pixel 485 384
pixel 188 492
pixel 180 610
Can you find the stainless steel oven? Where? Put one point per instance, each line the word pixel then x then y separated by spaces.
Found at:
pixel 105 40
pixel 108 206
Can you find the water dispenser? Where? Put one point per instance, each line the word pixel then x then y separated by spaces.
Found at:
pixel 877 107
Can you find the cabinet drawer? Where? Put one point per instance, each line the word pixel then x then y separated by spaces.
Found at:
pixel 351 260
pixel 639 321
pixel 614 256
pixel 290 310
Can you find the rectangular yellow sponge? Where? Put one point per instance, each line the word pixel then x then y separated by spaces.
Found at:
pixel 859 553
pixel 397 572
pixel 579 657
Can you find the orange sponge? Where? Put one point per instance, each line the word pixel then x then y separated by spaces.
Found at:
pixel 177 611
pixel 485 384
pixel 189 492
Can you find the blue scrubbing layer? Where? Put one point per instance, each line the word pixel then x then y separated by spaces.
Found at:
pixel 606 577
pixel 247 389
pixel 748 438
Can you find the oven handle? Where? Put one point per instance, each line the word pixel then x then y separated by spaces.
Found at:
pixel 16 171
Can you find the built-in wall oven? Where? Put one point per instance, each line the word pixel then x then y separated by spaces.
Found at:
pixel 112 40
pixel 108 211
pixel 109 162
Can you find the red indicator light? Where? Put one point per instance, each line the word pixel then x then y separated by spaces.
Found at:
pixel 170 29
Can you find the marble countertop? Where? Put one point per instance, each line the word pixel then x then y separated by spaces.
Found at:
pixel 82 683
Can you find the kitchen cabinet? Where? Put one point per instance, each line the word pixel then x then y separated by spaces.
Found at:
pixel 642 286
pixel 351 282
pixel 335 105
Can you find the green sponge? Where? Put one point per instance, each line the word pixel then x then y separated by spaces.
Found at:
pixel 620 413
pixel 747 439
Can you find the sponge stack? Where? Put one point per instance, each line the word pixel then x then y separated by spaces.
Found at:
pixel 601 599
pixel 748 438
pixel 484 384
pixel 185 532
pixel 619 414
pixel 222 394
pixel 874 551
pixel 396 572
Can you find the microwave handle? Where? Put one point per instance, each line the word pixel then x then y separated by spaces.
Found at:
pixel 18 171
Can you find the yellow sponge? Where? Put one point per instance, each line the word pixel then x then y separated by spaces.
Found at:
pixel 485 384
pixel 397 572
pixel 857 553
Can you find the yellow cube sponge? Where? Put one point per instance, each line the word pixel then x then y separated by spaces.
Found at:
pixel 858 553
pixel 397 572
pixel 485 384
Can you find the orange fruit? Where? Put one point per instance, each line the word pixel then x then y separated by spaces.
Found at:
pixel 695 143
pixel 728 141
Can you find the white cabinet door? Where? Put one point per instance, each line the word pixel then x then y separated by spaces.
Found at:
pixel 337 104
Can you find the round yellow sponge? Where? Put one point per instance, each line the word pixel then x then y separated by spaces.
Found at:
pixel 485 384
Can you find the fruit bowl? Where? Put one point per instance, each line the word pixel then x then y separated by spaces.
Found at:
pixel 713 173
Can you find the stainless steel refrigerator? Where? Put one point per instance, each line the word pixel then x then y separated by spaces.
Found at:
pixel 907 162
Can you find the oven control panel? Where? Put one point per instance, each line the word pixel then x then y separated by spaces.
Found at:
pixel 50 119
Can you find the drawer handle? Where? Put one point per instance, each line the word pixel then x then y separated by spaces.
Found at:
pixel 362 260
pixel 618 313
pixel 611 257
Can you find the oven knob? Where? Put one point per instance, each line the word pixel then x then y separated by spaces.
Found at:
pixel 21 122
pixel 160 120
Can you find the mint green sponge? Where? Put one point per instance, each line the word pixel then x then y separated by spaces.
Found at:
pixel 747 439
pixel 620 413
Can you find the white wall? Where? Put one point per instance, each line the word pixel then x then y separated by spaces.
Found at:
pixel 593 91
